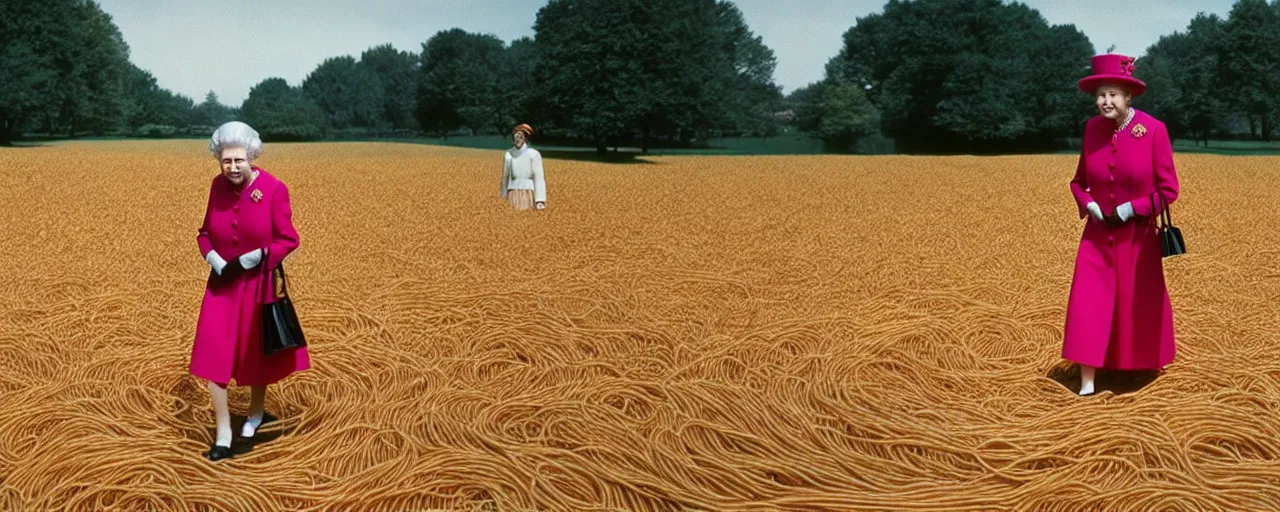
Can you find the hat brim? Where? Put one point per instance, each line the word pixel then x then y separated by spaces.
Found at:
pixel 1090 84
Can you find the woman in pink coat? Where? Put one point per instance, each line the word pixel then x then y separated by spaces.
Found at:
pixel 247 229
pixel 1118 314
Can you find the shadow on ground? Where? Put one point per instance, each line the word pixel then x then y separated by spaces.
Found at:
pixel 195 420
pixel 611 157
pixel 1120 382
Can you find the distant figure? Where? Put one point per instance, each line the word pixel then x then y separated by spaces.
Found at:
pixel 523 184
pixel 1118 314
pixel 247 229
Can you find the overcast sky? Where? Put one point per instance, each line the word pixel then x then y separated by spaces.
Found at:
pixel 228 46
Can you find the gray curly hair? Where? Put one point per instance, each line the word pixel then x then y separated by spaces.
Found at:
pixel 235 134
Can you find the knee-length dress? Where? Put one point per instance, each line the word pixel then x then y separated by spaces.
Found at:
pixel 228 338
pixel 1119 314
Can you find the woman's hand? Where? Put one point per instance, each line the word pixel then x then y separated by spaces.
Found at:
pixel 250 259
pixel 216 261
pixel 1125 212
pixel 232 269
pixel 1096 211
pixel 1122 215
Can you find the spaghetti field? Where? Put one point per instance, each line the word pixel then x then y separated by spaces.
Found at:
pixel 677 333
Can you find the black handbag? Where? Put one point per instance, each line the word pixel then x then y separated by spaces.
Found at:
pixel 280 327
pixel 1170 236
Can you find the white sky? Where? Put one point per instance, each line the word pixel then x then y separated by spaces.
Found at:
pixel 229 46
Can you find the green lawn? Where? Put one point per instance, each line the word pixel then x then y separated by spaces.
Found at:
pixel 804 145
pixel 1229 147
pixel 780 145
pixel 1215 147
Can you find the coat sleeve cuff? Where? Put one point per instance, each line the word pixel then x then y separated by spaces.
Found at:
pixel 1125 211
pixel 215 260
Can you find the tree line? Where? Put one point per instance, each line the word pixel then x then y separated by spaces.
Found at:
pixel 927 75
pixel 1220 77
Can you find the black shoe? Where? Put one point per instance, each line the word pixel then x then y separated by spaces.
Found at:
pixel 219 452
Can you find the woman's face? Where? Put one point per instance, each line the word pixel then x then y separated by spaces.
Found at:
pixel 1112 101
pixel 518 139
pixel 235 165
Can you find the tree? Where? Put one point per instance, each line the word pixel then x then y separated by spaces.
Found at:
pixel 752 97
pixel 63 64
pixel 1181 72
pixel 1250 39
pixel 518 99
pixel 806 104
pixel 141 104
pixel 397 72
pixel 1061 58
pixel 212 112
pixel 66 68
pixel 966 74
pixel 180 107
pixel 146 103
pixel 351 96
pixel 91 78
pixel 283 113
pixel 459 82
pixel 34 32
pixel 846 116
pixel 609 71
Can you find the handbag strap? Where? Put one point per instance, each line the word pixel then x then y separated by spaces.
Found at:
pixel 268 280
pixel 1165 214
pixel 1166 218
pixel 284 283
pixel 269 273
pixel 1159 220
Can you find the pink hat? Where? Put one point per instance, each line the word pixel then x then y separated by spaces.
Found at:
pixel 1112 67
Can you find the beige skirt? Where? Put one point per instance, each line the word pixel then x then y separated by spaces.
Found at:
pixel 520 199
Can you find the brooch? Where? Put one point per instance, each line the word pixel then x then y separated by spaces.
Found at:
pixel 1127 65
pixel 256 195
pixel 1139 131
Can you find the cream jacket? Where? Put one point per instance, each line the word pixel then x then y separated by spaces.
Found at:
pixel 522 170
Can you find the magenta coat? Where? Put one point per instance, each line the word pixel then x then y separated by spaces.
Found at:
pixel 1118 312
pixel 228 334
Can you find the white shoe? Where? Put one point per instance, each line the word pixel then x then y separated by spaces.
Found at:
pixel 252 424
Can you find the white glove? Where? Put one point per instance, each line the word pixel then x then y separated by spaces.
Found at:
pixel 251 259
pixel 1125 211
pixel 216 261
pixel 1095 210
